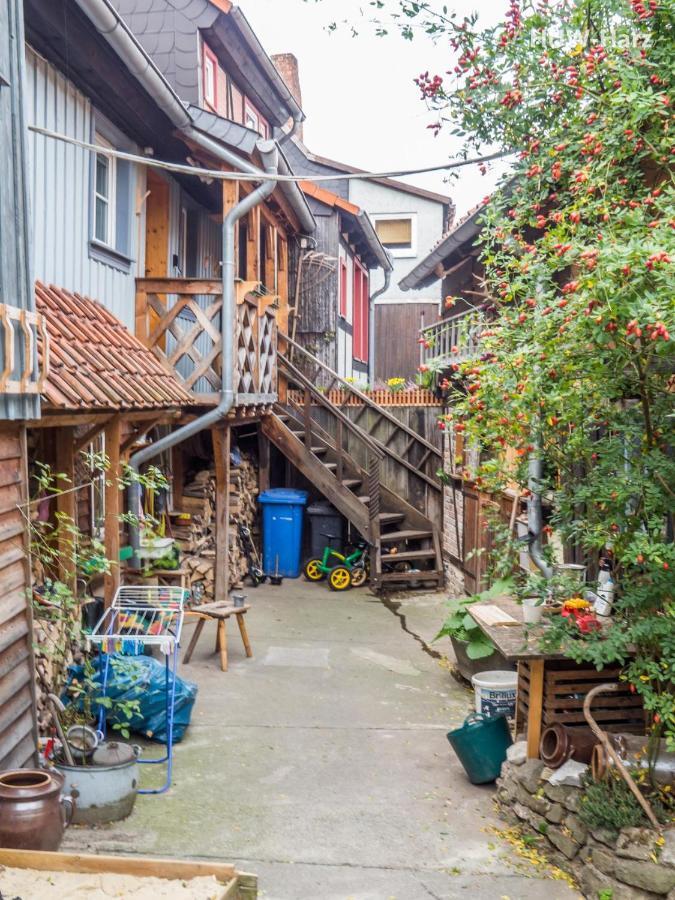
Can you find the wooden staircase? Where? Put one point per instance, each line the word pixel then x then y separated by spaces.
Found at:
pixel 313 434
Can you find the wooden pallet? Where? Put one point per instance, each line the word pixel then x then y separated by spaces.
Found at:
pixel 565 686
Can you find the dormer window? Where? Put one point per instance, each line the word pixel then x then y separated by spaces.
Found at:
pixel 209 76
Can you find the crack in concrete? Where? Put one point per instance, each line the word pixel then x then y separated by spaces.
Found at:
pixel 394 606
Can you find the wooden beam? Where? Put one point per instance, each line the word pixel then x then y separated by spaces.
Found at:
pixel 90 418
pixel 177 476
pixel 66 505
pixel 263 461
pixel 221 452
pixel 252 250
pixel 535 707
pixel 112 508
pixel 89 435
pixel 142 431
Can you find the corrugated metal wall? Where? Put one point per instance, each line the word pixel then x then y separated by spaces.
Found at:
pixel 18 734
pixel 60 194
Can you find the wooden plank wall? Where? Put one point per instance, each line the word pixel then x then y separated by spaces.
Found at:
pixel 18 731
pixel 397 325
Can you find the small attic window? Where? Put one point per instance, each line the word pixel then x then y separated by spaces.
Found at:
pixel 209 75
pixel 397 233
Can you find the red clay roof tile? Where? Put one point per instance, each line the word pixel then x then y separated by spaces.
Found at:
pixel 95 361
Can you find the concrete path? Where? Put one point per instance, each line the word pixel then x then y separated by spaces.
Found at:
pixel 322 764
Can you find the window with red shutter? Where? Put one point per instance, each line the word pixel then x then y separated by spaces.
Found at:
pixel 209 76
pixel 365 308
pixel 356 313
pixel 360 318
pixel 343 289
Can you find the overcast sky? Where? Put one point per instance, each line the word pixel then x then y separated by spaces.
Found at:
pixel 358 93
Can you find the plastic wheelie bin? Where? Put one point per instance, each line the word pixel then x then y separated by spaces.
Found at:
pixel 282 514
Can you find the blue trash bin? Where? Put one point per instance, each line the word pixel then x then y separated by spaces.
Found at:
pixel 283 510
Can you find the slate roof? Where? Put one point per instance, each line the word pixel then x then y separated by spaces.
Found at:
pixel 95 362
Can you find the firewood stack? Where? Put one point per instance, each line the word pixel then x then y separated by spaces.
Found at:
pixel 196 536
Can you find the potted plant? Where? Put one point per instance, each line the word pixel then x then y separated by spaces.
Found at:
pixel 474 651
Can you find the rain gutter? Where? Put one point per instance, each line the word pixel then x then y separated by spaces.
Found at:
pixel 269 154
pixel 371 320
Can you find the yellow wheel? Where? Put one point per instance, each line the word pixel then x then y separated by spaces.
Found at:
pixel 313 570
pixel 340 579
pixel 359 576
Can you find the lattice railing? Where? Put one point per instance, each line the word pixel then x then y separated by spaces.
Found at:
pixel 179 320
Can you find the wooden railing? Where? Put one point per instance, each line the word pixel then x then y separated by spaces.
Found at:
pixel 453 339
pixel 366 519
pixel 24 371
pixel 420 457
pixel 179 320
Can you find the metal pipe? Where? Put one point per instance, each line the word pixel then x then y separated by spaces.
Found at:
pixel 371 322
pixel 269 155
pixel 535 516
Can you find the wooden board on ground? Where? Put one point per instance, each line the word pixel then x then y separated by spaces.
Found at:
pixel 236 885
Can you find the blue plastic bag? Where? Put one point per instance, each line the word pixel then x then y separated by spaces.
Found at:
pixel 143 678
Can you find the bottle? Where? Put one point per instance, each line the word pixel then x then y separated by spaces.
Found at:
pixel 605 594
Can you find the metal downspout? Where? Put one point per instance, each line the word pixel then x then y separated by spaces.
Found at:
pixel 535 518
pixel 269 156
pixel 371 322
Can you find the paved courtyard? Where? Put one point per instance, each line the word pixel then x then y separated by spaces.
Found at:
pixel 322 763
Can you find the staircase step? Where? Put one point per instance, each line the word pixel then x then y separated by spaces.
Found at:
pixel 352 482
pixel 390 518
pixel 331 466
pixel 319 451
pixel 423 576
pixel 364 498
pixel 408 535
pixel 407 555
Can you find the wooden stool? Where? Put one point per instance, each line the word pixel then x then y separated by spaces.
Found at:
pixel 220 611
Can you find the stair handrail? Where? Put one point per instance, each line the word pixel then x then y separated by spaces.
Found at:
pixel 361 435
pixel 364 398
pixel 375 454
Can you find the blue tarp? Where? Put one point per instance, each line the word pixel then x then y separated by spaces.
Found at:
pixel 143 678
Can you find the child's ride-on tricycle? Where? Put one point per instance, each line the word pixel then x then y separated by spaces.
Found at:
pixel 343 571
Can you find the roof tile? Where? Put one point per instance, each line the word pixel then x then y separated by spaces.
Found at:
pixel 95 361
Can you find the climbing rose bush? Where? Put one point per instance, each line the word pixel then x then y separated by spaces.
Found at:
pixel 578 246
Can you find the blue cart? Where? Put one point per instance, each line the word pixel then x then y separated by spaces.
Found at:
pixel 283 511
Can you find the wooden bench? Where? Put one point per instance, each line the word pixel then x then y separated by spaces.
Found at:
pixel 220 612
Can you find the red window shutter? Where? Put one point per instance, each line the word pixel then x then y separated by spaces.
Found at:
pixel 356 313
pixel 365 307
pixel 343 289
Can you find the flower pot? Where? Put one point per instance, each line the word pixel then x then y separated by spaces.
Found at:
pixel 533 610
pixel 33 814
pixel 467 668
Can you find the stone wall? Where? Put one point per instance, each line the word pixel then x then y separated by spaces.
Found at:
pixel 636 863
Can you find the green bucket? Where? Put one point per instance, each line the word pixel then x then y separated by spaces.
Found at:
pixel 481 745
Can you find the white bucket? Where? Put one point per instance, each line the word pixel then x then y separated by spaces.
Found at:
pixel 495 693
pixel 533 610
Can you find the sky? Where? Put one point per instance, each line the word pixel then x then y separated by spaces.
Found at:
pixel 358 93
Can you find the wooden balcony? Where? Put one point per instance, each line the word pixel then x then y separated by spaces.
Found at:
pixel 451 340
pixel 24 370
pixel 179 320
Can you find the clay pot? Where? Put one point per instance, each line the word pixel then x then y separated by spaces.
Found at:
pixel 33 814
pixel 558 744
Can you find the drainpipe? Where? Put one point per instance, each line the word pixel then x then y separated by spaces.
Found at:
pixel 371 321
pixel 535 518
pixel 269 156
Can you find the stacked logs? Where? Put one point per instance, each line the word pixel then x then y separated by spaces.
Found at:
pixel 194 530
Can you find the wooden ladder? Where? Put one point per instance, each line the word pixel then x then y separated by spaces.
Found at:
pixel 313 434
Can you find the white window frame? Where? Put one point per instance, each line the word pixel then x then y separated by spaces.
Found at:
pixel 209 80
pixel 251 117
pixel 403 253
pixel 111 199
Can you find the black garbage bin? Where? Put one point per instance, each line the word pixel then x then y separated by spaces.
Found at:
pixel 325 519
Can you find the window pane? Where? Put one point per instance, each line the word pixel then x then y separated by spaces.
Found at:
pixel 102 169
pixel 395 233
pixel 101 220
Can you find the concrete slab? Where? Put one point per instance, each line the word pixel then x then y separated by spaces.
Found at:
pixel 322 763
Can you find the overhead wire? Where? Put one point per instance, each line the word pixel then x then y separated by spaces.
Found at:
pixel 219 174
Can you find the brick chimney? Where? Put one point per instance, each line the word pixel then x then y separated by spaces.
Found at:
pixel 287 66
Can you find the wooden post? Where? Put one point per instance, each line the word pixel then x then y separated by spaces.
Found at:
pixel 535 707
pixel 252 250
pixel 113 440
pixel 263 461
pixel 221 453
pixel 177 476
pixel 66 505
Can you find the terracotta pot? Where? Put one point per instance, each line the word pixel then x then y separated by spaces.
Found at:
pixel 558 744
pixel 33 814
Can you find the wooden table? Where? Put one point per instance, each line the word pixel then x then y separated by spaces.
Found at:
pixel 551 686
pixel 518 644
pixel 221 612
